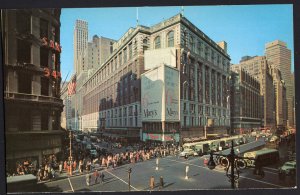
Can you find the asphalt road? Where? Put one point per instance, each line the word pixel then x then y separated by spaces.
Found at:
pixel 172 169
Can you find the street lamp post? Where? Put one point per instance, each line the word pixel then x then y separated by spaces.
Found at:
pixel 129 172
pixel 70 156
pixel 157 161
pixel 234 165
pixel 186 172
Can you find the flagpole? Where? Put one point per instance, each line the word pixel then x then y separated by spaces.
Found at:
pixel 137 16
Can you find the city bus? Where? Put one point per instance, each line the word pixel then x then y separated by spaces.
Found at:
pixel 203 147
pixel 265 156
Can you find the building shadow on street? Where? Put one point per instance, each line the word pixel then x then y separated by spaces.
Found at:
pixel 34 188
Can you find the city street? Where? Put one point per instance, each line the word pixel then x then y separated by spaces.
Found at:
pixel 172 169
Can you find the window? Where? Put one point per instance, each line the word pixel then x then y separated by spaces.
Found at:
pixel 157 42
pixel 116 63
pixel 24 122
pixel 206 53
pixel 192 44
pixel 43 28
pixel 44 86
pixel 23 52
pixel 171 39
pixel 24 83
pixel 125 55
pixel 111 47
pixel 44 53
pixel 120 59
pixel 130 50
pixel 198 51
pixel 44 120
pixel 23 22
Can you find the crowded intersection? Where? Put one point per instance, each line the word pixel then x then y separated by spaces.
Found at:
pixel 147 167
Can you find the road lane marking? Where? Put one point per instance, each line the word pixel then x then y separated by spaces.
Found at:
pixel 121 180
pixel 70 184
pixel 223 172
pixel 270 172
pixel 272 169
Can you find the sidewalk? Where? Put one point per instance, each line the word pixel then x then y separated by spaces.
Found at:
pixel 65 175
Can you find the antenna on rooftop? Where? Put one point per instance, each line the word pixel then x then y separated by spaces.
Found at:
pixel 182 10
pixel 137 16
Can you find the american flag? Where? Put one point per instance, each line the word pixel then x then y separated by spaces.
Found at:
pixel 72 86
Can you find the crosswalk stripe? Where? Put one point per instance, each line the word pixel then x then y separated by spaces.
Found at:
pixel 121 180
pixel 223 172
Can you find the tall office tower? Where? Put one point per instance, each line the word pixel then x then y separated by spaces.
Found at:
pixel 80 43
pixel 280 99
pixel 97 51
pixel 245 103
pixel 32 80
pixel 258 67
pixel 279 56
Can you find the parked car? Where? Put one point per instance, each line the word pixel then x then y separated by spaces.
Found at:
pixel 188 152
pixel 289 168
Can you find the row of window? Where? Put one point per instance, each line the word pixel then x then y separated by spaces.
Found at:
pixel 170 40
pixel 202 121
pixel 208 110
pixel 26 121
pixel 124 56
pixel 200 48
pixel 128 122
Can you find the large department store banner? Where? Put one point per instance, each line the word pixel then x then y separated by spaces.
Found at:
pixel 152 90
pixel 160 94
pixel 171 79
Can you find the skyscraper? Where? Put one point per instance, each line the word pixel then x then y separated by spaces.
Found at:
pixel 258 67
pixel 80 43
pixel 279 56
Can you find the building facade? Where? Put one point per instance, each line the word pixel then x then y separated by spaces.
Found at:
pixel 96 52
pixel 66 113
pixel 280 99
pixel 259 68
pixel 203 68
pixel 80 43
pixel 279 56
pixel 245 102
pixel 88 60
pixel 32 84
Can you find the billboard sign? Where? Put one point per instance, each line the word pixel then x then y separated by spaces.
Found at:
pixel 160 94
pixel 161 137
pixel 151 100
pixel 171 94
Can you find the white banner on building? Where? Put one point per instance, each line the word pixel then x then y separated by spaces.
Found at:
pixel 151 100
pixel 160 94
pixel 171 94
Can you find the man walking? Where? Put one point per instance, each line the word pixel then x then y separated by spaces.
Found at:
pixel 96 175
pixel 60 167
pixel 152 183
pixel 88 179
pixel 102 177
pixel 161 182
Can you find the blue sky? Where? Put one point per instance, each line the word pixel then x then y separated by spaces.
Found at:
pixel 245 28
